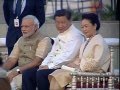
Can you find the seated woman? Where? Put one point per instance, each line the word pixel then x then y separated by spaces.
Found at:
pixel 94 55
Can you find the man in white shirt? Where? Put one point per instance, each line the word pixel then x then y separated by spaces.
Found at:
pixel 65 48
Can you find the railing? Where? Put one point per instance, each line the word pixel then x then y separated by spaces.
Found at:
pixel 98 81
pixel 95 81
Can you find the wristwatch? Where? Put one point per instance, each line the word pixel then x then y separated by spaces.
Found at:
pixel 18 70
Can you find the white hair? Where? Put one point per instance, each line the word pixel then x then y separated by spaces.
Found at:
pixel 33 18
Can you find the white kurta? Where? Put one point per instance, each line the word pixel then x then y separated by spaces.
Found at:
pixel 65 48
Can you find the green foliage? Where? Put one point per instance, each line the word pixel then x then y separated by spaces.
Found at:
pixel 76 16
pixel 107 13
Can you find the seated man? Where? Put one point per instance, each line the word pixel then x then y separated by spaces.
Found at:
pixel 94 55
pixel 65 48
pixel 29 51
pixel 4 82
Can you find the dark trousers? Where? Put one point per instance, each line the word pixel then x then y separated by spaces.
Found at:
pixel 32 78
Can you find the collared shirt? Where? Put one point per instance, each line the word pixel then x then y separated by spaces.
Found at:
pixel 65 48
pixel 23 3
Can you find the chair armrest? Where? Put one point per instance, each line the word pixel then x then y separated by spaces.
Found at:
pixel 94 78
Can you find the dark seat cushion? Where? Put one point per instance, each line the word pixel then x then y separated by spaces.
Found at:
pixel 4 84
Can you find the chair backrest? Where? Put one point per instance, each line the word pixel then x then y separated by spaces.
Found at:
pixel 52 41
pixel 112 43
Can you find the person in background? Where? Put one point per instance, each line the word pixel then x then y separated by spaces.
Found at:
pixel 1 61
pixel 29 51
pixel 14 11
pixel 117 14
pixel 4 82
pixel 65 48
pixel 94 55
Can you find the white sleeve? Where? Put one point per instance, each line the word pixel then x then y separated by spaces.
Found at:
pixel 71 49
pixel 47 59
pixel 50 55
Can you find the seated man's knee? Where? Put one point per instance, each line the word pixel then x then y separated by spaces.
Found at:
pixel 26 73
pixel 29 73
pixel 41 74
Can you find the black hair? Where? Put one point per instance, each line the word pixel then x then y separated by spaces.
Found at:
pixel 63 12
pixel 93 18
